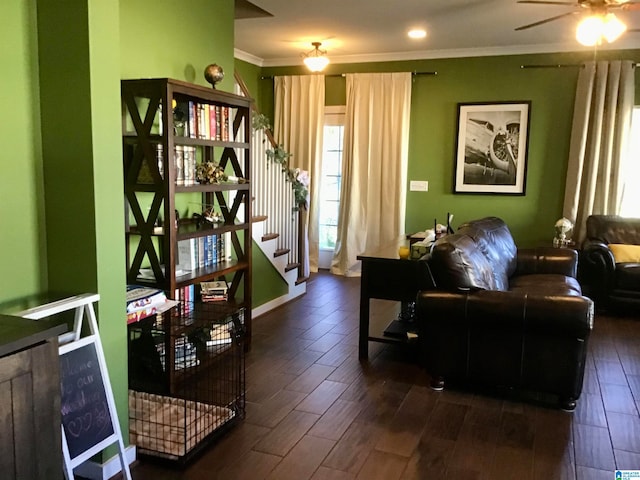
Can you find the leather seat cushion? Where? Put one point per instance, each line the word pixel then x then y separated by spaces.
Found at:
pixel 628 276
pixel 545 284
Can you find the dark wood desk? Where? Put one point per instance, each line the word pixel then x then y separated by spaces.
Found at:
pixel 385 276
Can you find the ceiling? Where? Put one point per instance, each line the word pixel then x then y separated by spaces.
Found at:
pixel 355 31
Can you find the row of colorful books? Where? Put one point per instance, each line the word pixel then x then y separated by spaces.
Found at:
pixel 186 296
pixel 194 253
pixel 204 121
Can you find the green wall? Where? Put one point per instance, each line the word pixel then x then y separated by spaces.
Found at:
pixel 22 243
pixel 433 132
pixel 82 158
pixel 178 40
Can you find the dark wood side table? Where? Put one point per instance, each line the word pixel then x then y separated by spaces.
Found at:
pixel 31 445
pixel 385 276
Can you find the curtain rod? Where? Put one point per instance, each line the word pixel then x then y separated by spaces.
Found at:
pixel 344 74
pixel 561 65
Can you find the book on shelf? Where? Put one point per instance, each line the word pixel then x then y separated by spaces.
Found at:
pixel 139 297
pixel 215 291
pixel 213 130
pixel 187 255
pixel 147 273
pixel 215 286
pixel 186 297
pixel 178 163
pixel 144 312
pixel 189 159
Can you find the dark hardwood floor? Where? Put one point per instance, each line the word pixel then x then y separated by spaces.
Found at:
pixel 315 412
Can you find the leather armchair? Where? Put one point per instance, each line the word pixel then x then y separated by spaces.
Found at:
pixel 504 317
pixel 613 286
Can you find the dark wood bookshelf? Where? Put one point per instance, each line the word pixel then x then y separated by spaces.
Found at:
pixel 153 196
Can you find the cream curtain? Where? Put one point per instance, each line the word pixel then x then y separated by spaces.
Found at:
pixel 599 141
pixel 374 168
pixel 298 127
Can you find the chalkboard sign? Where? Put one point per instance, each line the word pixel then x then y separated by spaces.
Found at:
pixel 86 417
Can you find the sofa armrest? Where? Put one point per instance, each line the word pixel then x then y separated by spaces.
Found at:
pixel 598 255
pixel 561 261
pixel 597 268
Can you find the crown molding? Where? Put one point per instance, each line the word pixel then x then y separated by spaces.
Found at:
pixel 436 54
pixel 247 57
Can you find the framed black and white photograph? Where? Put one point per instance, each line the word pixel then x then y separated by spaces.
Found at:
pixel 491 153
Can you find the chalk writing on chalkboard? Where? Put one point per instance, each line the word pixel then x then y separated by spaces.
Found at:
pixel 85 412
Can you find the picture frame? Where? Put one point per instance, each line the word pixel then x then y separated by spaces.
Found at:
pixel 491 148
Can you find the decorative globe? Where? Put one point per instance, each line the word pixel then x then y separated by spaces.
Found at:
pixel 213 74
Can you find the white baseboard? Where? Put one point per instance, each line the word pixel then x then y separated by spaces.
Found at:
pixel 294 292
pixel 106 470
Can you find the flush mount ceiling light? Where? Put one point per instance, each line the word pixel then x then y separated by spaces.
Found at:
pixel 316 59
pixel 594 28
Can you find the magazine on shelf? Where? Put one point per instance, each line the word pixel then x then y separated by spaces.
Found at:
pixel 140 297
pixel 214 287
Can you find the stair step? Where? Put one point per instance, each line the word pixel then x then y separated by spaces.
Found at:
pixel 291 266
pixel 270 236
pixel 301 280
pixel 280 252
pixel 258 218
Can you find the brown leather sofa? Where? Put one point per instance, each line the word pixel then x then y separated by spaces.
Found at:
pixel 503 317
pixel 612 285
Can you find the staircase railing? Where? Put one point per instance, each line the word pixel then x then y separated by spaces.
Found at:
pixel 273 197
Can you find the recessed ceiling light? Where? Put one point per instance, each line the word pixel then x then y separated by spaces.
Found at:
pixel 417 33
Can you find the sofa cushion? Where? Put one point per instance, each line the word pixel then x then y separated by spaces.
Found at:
pixel 613 229
pixel 493 238
pixel 545 284
pixel 625 253
pixel 628 276
pixel 456 264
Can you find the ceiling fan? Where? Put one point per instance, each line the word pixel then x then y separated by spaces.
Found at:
pixel 595 7
pixel 599 23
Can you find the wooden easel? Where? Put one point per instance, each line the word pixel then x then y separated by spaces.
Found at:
pixel 71 343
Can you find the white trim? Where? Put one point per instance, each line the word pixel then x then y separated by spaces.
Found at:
pixel 438 54
pixel 247 57
pixel 294 292
pixel 104 471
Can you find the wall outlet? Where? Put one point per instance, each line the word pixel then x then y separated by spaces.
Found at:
pixel 419 186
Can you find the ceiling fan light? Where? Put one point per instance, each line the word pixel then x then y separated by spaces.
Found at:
pixel 316 64
pixel 589 31
pixel 316 60
pixel 612 28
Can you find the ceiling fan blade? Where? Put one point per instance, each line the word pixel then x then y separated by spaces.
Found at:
pixel 544 2
pixel 630 6
pixel 547 20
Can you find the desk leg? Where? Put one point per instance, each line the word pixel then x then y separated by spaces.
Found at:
pixel 363 350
